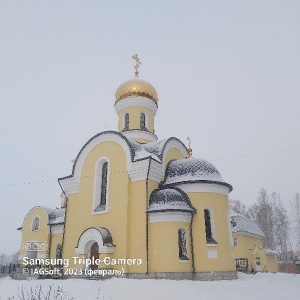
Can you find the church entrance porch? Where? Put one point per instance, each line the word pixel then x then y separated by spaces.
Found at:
pixel 94 254
pixel 91 243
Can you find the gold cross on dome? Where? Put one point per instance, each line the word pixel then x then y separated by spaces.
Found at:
pixel 190 151
pixel 188 138
pixel 137 64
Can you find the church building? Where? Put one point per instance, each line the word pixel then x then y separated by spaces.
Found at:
pixel 138 204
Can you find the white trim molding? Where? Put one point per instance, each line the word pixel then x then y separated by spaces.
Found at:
pixel 231 241
pixel 89 237
pixel 170 216
pixel 212 254
pixel 140 134
pixel 199 187
pixel 139 169
pixel 136 102
pixel 56 229
pixel 98 185
pixel 71 184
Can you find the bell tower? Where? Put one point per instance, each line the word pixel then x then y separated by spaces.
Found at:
pixel 136 106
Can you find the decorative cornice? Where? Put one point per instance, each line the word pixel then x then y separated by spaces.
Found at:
pixel 137 169
pixel 140 134
pixel 199 187
pixel 71 183
pixel 134 102
pixel 170 216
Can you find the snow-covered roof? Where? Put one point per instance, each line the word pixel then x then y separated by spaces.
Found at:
pixel 56 216
pixel 140 152
pixel 272 252
pixel 169 200
pixel 137 151
pixel 153 149
pixel 106 236
pixel 192 170
pixel 243 224
pixel 156 147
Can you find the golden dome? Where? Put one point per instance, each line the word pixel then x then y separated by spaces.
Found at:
pixel 136 87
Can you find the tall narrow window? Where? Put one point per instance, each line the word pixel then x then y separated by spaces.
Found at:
pixel 58 251
pixel 35 224
pixel 101 183
pixel 208 227
pixel 143 121
pixel 126 122
pixel 182 244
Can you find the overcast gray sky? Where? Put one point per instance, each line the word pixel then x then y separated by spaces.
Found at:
pixel 227 74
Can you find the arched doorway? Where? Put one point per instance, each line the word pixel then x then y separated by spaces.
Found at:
pixel 94 254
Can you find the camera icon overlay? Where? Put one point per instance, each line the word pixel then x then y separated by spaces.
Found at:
pixel 35 246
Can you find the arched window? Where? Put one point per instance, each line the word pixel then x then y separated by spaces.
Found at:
pixel 208 227
pixel 126 127
pixel 182 244
pixel 143 121
pixel 35 224
pixel 101 186
pixel 58 251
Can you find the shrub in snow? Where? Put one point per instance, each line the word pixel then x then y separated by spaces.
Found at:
pixel 41 293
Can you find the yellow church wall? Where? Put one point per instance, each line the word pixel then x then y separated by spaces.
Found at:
pixel 134 118
pixel 244 243
pixel 80 205
pixel 164 249
pixel 55 240
pixel 218 205
pixel 173 153
pixel 137 225
pixel 40 235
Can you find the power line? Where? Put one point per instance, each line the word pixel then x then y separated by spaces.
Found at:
pixel 256 154
pixel 215 159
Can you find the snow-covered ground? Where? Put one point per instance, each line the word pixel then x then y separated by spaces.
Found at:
pixel 247 287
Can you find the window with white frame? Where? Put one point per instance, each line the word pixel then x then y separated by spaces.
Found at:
pixel 209 230
pixel 35 224
pixel 101 186
pixel 126 121
pixel 143 121
pixel 182 244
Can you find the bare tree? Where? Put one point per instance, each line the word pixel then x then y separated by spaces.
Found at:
pixel 3 259
pixel 238 207
pixel 262 213
pixel 13 258
pixel 281 228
